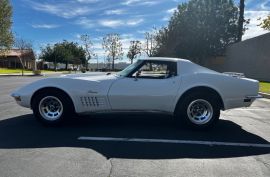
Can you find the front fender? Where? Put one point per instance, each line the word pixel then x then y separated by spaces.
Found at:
pixel 75 88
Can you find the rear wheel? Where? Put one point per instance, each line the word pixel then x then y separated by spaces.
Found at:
pixel 52 107
pixel 198 110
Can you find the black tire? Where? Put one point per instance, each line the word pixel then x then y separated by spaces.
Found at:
pixel 182 115
pixel 67 106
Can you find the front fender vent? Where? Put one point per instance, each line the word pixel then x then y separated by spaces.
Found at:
pixel 92 101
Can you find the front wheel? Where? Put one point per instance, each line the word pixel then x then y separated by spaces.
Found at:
pixel 51 107
pixel 198 110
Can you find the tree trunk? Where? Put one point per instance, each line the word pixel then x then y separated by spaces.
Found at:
pixel 66 66
pixel 86 65
pixel 241 20
pixel 54 67
pixel 151 67
pixel 21 60
pixel 113 64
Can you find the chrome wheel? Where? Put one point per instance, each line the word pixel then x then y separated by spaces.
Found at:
pixel 200 111
pixel 50 108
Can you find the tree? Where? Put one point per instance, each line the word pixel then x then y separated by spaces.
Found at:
pixel 265 24
pixel 6 36
pixel 48 54
pixel 78 53
pixel 150 44
pixel 113 47
pixel 52 53
pixel 26 50
pixel 134 49
pixel 199 29
pixel 241 20
pixel 64 52
pixel 88 47
pixel 166 42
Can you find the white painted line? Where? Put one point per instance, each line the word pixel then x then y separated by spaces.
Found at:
pixel 209 143
pixel 251 109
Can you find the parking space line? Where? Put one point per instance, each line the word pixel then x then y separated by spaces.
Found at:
pixel 141 140
pixel 251 109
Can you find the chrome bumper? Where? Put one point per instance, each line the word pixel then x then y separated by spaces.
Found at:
pixel 17 97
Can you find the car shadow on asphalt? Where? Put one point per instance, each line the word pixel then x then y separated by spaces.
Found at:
pixel 25 132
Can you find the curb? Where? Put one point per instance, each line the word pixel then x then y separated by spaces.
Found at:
pixel 265 95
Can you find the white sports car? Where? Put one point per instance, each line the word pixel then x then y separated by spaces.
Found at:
pixel 193 94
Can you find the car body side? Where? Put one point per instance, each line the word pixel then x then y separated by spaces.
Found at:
pixel 92 93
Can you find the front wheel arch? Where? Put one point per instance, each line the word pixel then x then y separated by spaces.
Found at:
pixel 47 89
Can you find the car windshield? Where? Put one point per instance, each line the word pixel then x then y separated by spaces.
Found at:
pixel 129 69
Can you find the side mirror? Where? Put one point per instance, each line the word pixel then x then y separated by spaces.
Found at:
pixel 137 74
pixel 173 74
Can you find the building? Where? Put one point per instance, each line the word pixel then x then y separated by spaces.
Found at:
pixel 14 59
pixel 251 57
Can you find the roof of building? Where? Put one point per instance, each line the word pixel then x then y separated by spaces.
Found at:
pixel 18 52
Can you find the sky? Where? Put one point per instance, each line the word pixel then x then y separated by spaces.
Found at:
pixel 50 21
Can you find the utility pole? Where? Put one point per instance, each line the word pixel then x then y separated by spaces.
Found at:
pixel 97 62
pixel 54 63
pixel 241 20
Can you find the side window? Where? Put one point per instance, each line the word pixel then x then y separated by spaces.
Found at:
pixel 156 70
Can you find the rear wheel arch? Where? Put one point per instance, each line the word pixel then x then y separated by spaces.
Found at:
pixel 201 89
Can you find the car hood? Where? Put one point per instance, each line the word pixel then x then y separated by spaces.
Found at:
pixel 95 77
pixel 83 75
pixel 98 84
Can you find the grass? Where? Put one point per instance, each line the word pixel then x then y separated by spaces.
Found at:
pixel 12 71
pixel 265 87
pixel 19 71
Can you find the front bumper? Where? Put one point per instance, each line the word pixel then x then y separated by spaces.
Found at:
pixel 16 96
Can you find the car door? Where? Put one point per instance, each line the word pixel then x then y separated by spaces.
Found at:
pixel 152 87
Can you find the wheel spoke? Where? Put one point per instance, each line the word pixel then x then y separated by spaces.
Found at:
pixel 50 108
pixel 200 111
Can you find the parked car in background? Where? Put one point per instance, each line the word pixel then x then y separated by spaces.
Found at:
pixel 193 94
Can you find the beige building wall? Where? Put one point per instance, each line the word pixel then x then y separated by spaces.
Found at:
pixel 12 59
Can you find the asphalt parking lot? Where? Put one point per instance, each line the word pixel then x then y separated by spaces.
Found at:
pixel 28 149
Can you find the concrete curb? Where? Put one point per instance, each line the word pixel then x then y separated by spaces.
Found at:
pixel 265 95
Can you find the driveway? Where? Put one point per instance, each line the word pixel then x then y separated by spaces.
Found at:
pixel 131 145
